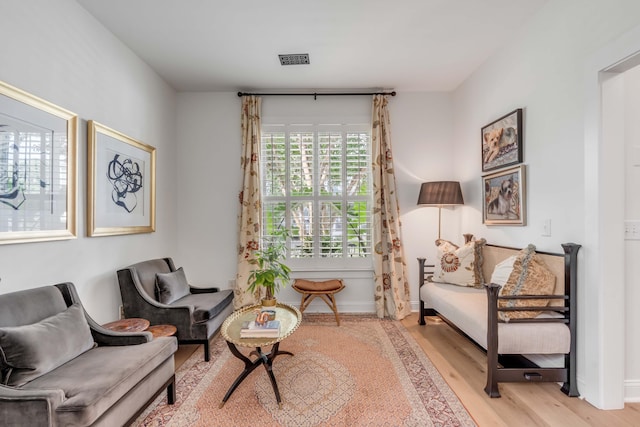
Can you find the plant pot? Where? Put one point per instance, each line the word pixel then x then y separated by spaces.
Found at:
pixel 269 302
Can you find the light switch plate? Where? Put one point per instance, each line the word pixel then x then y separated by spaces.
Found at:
pixel 632 230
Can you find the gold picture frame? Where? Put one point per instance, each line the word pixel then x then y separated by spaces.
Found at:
pixel 121 183
pixel 38 168
pixel 504 201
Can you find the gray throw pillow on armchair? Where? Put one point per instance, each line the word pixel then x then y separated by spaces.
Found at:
pixel 171 286
pixel 30 351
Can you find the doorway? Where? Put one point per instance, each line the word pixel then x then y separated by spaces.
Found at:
pixel 607 344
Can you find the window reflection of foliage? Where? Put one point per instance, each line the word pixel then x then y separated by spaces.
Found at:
pixel 358 225
pixel 340 164
pixel 28 166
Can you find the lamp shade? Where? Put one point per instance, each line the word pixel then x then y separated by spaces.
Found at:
pixel 440 193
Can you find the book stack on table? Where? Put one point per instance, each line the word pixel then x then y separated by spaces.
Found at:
pixel 251 329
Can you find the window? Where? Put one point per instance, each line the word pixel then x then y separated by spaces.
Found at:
pixel 316 183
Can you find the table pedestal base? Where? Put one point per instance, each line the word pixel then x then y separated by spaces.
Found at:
pixel 265 359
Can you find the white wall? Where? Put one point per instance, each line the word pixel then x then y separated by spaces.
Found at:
pixel 57 51
pixel 209 182
pixel 541 69
pixel 422 137
pixel 632 247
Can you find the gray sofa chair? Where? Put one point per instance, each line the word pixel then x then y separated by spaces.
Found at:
pixel 156 291
pixel 60 368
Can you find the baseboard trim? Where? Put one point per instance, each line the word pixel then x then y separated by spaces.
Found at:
pixel 632 391
pixel 317 306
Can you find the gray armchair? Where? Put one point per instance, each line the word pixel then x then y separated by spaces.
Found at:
pixel 156 291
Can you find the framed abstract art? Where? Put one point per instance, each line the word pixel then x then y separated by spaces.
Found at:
pixel 121 175
pixel 38 167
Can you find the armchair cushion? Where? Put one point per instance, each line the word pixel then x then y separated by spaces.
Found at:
pixel 31 351
pixel 207 305
pixel 171 286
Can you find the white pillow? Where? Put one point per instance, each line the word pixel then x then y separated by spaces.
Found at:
pixel 502 271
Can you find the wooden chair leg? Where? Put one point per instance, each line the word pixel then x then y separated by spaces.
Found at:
pixel 334 307
pixel 207 352
pixel 171 391
pixel 302 306
pixel 306 300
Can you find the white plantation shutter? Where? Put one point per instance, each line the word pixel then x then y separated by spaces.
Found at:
pixel 317 184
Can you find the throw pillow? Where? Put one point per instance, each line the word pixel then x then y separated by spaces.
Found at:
pixel 31 351
pixel 460 266
pixel 171 286
pixel 530 276
pixel 502 271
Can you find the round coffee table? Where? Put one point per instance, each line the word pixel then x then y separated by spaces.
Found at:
pixel 289 317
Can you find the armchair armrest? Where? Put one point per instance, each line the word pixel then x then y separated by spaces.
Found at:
pixel 195 290
pixel 101 335
pixel 35 405
pixel 106 337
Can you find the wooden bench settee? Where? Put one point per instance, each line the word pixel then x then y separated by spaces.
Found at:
pixel 516 347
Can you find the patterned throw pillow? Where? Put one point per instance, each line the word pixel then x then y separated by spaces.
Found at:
pixel 460 266
pixel 530 276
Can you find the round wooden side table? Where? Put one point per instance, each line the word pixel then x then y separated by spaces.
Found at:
pixel 162 330
pixel 132 324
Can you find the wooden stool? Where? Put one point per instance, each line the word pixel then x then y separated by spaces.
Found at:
pixel 325 290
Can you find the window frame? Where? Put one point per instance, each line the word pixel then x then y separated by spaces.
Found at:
pixel 316 262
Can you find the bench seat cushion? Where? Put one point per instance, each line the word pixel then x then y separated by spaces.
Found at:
pixel 467 308
pixel 94 381
pixel 318 286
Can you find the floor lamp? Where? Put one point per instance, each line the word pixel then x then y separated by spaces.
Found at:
pixel 440 193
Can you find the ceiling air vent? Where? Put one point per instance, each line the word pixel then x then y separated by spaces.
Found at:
pixel 294 59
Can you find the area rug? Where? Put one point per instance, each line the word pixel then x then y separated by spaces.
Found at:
pixel 366 372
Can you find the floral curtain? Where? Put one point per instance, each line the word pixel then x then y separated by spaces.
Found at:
pixel 250 205
pixel 391 282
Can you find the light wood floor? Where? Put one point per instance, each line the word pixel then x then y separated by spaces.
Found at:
pixel 462 365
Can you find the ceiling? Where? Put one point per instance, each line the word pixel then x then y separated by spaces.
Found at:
pixel 229 45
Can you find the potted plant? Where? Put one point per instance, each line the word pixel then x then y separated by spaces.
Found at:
pixel 270 272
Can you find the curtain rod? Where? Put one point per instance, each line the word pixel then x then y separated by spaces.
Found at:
pixel 317 94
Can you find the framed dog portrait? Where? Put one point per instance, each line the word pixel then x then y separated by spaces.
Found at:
pixel 504 197
pixel 502 142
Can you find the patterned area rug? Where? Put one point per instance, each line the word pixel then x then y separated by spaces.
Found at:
pixel 366 372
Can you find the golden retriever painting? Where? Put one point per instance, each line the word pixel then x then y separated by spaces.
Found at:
pixel 502 142
pixel 504 197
